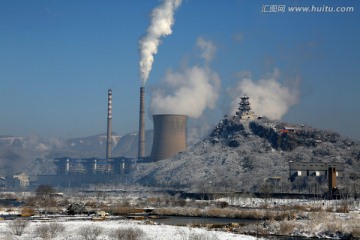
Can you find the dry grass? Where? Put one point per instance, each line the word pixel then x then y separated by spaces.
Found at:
pixel 254 229
pixel 259 214
pixel 355 231
pixel 315 209
pixel 286 228
pixel 342 208
pixel 27 212
pixel 331 228
pixel 125 210
pixel 196 212
pixel 329 209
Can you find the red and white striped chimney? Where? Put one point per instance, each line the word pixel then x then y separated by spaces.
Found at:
pixel 109 126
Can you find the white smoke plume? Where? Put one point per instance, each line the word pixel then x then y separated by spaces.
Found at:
pixel 162 19
pixel 208 49
pixel 268 96
pixel 188 91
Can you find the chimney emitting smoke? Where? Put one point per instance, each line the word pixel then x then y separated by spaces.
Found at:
pixel 141 145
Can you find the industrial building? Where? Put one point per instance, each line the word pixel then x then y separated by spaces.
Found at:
pixel 81 172
pixel 169 139
pixel 316 169
pixel 75 172
pixel 169 136
pixel 18 181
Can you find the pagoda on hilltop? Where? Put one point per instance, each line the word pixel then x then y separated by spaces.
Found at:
pixel 245 112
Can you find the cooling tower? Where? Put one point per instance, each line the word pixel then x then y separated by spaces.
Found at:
pixel 141 145
pixel 169 136
pixel 109 126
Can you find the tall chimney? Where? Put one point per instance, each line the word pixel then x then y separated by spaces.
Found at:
pixel 109 126
pixel 332 181
pixel 141 146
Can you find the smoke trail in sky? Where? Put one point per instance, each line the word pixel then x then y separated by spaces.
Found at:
pixel 190 90
pixel 162 19
pixel 268 96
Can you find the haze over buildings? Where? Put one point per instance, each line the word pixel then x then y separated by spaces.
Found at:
pixel 59 58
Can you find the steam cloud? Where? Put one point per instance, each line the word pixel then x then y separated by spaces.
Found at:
pixel 162 19
pixel 191 90
pixel 268 96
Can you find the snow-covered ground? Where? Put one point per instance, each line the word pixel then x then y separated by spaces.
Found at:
pixel 151 232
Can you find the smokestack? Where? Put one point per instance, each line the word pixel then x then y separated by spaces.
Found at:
pixel 109 126
pixel 332 181
pixel 141 146
pixel 169 136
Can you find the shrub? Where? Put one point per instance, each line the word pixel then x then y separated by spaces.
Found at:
pixel 342 209
pixel 17 227
pixel 355 232
pixel 329 209
pixel 127 234
pixel 255 214
pixel 286 228
pixel 332 228
pixel 90 232
pixel 42 231
pixel 27 212
pixel 181 203
pixel 222 204
pixel 270 215
pixel 254 229
pixel 315 209
pixel 50 230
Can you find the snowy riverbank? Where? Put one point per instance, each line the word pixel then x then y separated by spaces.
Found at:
pixel 73 230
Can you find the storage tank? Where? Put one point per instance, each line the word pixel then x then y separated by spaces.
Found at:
pixel 169 136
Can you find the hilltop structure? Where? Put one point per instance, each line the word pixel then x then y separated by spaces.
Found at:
pixel 245 113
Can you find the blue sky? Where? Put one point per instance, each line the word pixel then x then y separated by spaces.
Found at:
pixel 59 57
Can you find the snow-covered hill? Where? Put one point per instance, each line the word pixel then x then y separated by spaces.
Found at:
pixel 241 157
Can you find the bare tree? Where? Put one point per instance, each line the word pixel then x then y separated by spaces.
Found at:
pixel 90 232
pixel 127 234
pixel 49 231
pixel 17 227
pixel 45 198
pixel 267 190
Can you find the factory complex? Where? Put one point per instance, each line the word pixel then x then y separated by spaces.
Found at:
pixel 169 139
